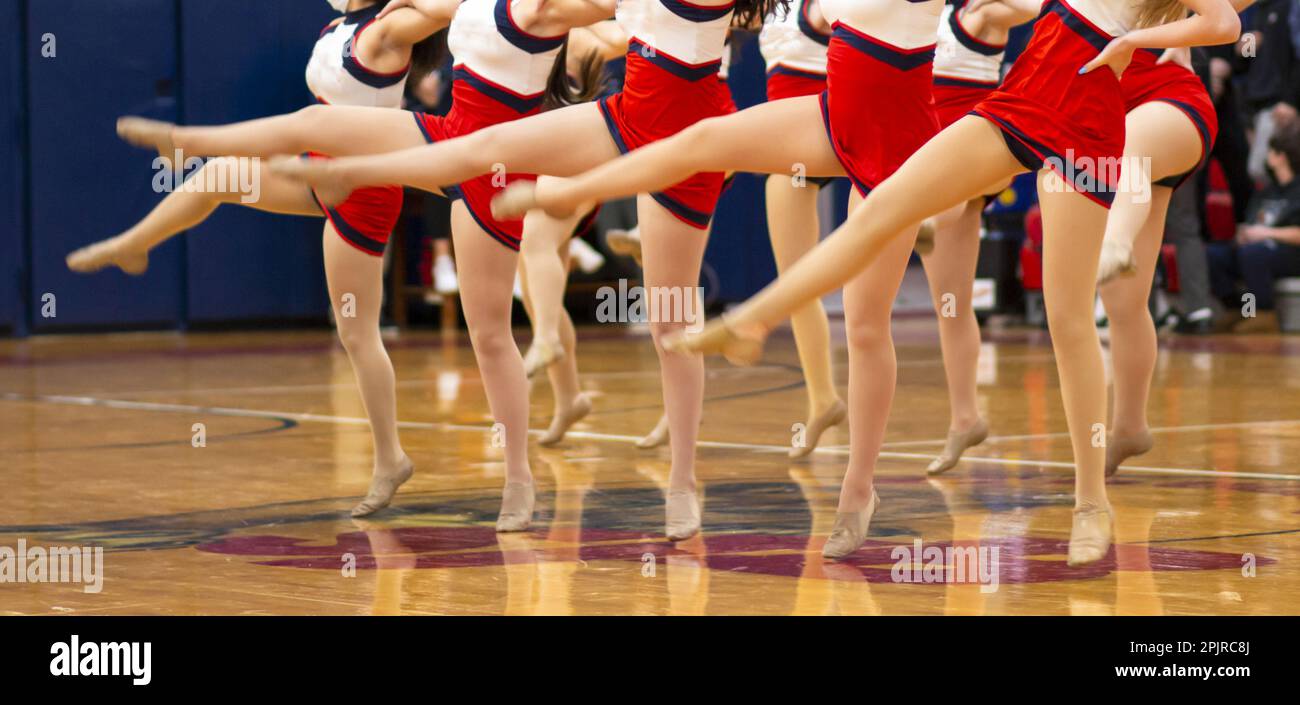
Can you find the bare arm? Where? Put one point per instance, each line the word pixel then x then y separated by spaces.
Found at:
pixel 405 23
pixel 560 15
pixel 1004 13
pixel 1213 22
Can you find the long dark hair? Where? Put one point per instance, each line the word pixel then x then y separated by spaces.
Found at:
pixel 748 12
pixel 561 90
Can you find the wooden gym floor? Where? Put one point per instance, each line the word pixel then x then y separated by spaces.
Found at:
pixel 96 451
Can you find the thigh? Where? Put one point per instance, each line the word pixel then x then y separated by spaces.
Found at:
pixel 778 137
pixel 1073 226
pixel 355 280
pixel 1164 134
pixel 274 194
pixel 950 267
pixel 561 142
pixel 546 235
pixel 486 270
pixel 672 253
pixel 869 296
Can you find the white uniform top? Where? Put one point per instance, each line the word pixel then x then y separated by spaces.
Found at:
pixel 960 55
pixel 788 39
pixel 905 24
pixel 336 76
pixel 689 34
pixel 1114 17
pixel 484 38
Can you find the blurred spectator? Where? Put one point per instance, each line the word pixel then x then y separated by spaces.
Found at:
pixel 1272 81
pixel 1267 246
pixel 1184 226
pixel 1231 148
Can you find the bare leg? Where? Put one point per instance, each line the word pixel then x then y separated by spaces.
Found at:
pixel 1073 228
pixel 543 272
pixel 185 208
pixel 1133 339
pixel 544 255
pixel 338 130
pixel 1159 141
pixel 1163 141
pixel 487 301
pixel 673 252
pixel 924 185
pixel 792 225
pixel 868 304
pixel 356 286
pixel 738 142
pixel 563 141
pixel 950 270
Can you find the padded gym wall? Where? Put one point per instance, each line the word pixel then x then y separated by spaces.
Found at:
pixel 88 62
pixel 13 168
pixel 244 59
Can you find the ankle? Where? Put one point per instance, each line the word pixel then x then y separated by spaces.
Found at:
pixel 961 423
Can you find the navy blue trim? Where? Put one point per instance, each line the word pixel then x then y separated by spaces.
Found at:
pixel 899 59
pixel 685 71
pixel 1034 156
pixel 518 37
pixel 806 27
pixel 1207 144
pixel 822 100
pixel 518 103
pixel 362 16
pixel 965 39
pixel 612 126
pixel 787 71
pixel 695 13
pixel 699 219
pixel 361 73
pixel 490 229
pixel 347 232
pixel 423 129
pixel 963 83
pixel 1078 25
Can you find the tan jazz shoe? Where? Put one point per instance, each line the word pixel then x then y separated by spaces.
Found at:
pixel 833 416
pixel 149 134
pixel 382 489
pixel 682 515
pixel 112 252
pixel 1116 261
pixel 850 530
pixel 561 424
pixel 516 507
pixel 718 338
pixel 1091 534
pixel 1121 448
pixel 657 436
pixel 958 442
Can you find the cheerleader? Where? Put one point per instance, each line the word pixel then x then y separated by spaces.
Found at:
pixel 510 58
pixel 674 54
pixel 967 68
pixel 794 41
pixel 1169 132
pixel 1059 113
pixel 360 59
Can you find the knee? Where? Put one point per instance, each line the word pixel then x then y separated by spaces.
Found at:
pixel 221 179
pixel 868 334
pixel 1070 330
pixel 355 337
pixel 492 341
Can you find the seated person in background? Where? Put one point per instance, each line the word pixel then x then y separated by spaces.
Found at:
pixel 1267 246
